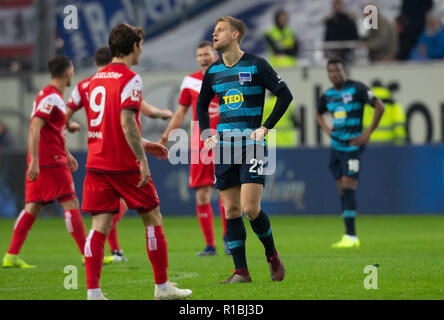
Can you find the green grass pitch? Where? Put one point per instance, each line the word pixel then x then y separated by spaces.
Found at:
pixel 408 249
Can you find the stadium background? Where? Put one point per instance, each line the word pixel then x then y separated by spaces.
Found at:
pixel 395 179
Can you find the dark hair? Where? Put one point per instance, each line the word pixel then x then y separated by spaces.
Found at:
pixel 204 44
pixel 335 61
pixel 122 38
pixel 277 14
pixel 58 65
pixel 103 56
pixel 235 24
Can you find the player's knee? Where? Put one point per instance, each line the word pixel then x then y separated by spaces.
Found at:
pixel 203 195
pixel 70 204
pixel 232 210
pixel 152 218
pixel 251 211
pixel 34 208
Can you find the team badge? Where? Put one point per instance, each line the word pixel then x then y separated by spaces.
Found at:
pixel 347 97
pixel 244 77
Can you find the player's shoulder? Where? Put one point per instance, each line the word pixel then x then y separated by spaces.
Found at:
pixel 195 75
pixel 358 85
pixel 253 59
pixel 50 93
pixel 192 81
pixel 83 84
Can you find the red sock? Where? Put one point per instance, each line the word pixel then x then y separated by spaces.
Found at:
pixel 74 223
pixel 22 226
pixel 205 216
pixel 156 245
pixel 222 215
pixel 113 239
pixel 94 252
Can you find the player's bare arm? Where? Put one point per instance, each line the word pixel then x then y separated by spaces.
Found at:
pixel 175 122
pixel 71 126
pixel 155 149
pixel 321 121
pixel 72 162
pixel 132 136
pixel 153 112
pixel 33 147
pixel 365 136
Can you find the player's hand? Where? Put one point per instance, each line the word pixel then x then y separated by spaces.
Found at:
pixel 72 163
pixel 259 134
pixel 33 170
pixel 211 142
pixel 163 141
pixel 155 149
pixel 361 140
pixel 73 126
pixel 166 114
pixel 145 173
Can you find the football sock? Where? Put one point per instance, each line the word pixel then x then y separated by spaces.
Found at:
pixel 342 202
pixel 156 245
pixel 261 226
pixel 349 213
pixel 236 236
pixel 205 216
pixel 94 253
pixel 74 223
pixel 222 215
pixel 22 226
pixel 113 239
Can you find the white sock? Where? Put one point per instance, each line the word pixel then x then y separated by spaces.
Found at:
pixel 353 237
pixel 163 286
pixel 94 292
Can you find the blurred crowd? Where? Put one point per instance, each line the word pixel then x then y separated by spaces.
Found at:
pixel 415 34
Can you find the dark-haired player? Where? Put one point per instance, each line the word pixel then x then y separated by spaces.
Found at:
pixel 48 176
pixel 117 166
pixel 201 174
pixel 78 100
pixel 240 79
pixel 345 101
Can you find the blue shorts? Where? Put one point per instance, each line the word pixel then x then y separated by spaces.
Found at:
pixel 345 163
pixel 250 170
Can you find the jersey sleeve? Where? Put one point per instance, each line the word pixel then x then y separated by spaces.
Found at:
pixel 203 100
pixel 272 81
pixel 366 94
pixel 185 97
pixel 131 96
pixel 47 105
pixel 322 105
pixel 75 100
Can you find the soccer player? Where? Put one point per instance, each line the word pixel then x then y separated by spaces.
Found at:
pixel 48 176
pixel 117 166
pixel 78 100
pixel 201 175
pixel 345 101
pixel 240 79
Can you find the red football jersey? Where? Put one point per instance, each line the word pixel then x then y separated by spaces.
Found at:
pixel 79 95
pixel 111 90
pixel 49 105
pixel 190 90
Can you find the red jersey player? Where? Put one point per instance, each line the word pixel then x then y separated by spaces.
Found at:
pixel 78 100
pixel 48 176
pixel 201 175
pixel 117 165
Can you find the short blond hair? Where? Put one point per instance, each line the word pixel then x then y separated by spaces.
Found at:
pixel 235 24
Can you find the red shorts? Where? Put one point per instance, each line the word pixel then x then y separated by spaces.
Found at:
pixel 201 175
pixel 102 193
pixel 51 184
